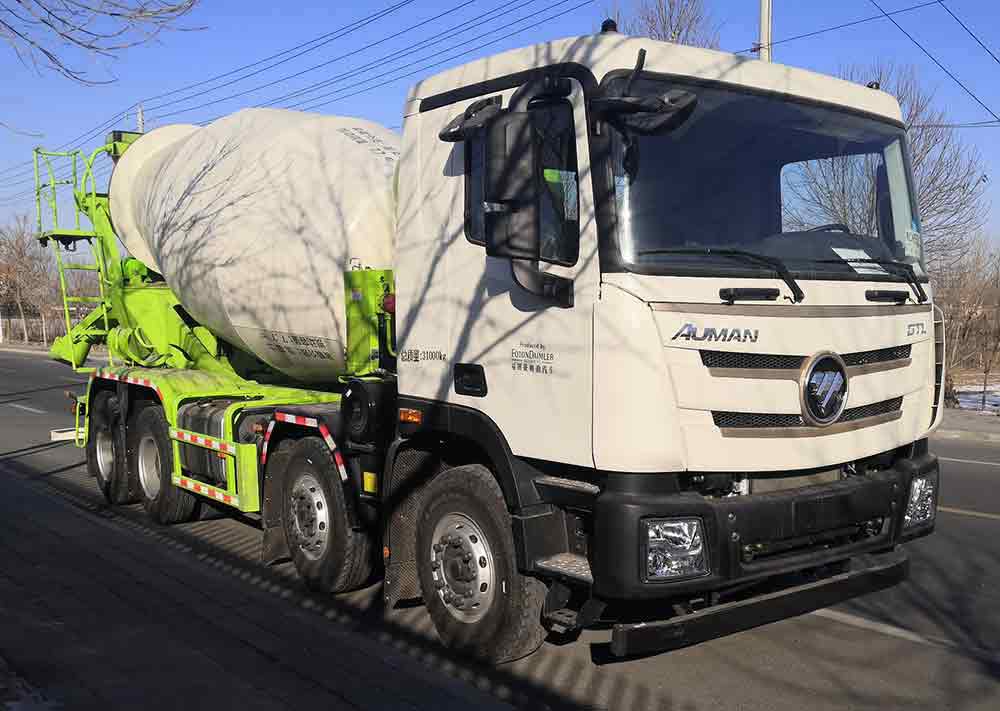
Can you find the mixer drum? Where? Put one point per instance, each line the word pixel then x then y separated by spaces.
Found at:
pixel 252 221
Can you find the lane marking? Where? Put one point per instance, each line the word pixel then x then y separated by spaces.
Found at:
pixel 851 620
pixel 968 512
pixel 969 461
pixel 26 408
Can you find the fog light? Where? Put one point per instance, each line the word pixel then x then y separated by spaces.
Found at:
pixel 922 505
pixel 675 548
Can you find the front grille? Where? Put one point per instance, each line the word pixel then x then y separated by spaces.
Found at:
pixel 877 356
pixel 727 359
pixel 756 419
pixel 873 410
pixel 770 361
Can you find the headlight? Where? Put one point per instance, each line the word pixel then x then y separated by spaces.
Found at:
pixel 922 505
pixel 675 548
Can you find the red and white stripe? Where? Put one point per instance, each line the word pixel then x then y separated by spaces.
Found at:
pixel 210 491
pixel 312 422
pixel 202 441
pixel 267 438
pixel 143 382
pixel 296 419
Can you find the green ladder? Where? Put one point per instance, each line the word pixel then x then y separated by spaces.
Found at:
pixel 95 325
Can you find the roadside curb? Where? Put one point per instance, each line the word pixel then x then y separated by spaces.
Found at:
pixel 969 435
pixel 28 351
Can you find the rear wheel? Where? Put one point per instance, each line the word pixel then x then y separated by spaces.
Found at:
pixel 152 454
pixel 479 602
pixel 106 459
pixel 328 553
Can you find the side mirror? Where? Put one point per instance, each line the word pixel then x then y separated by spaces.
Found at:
pixel 511 190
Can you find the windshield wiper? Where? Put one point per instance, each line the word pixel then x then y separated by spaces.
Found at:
pixel 899 268
pixel 776 264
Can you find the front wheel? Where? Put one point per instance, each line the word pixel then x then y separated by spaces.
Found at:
pixel 479 602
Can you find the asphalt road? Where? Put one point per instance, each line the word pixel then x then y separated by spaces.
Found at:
pixel 100 608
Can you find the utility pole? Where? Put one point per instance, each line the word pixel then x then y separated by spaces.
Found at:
pixel 764 46
pixel 140 120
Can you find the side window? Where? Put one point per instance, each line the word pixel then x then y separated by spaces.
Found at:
pixel 559 200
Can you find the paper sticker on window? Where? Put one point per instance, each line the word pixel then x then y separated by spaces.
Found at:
pixel 860 267
pixel 564 182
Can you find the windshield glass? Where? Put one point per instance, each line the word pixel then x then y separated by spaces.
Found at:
pixel 808 184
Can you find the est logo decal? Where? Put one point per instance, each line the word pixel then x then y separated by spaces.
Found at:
pixel 690 332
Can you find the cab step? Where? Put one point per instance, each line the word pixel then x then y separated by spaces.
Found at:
pixel 568 565
pixel 566 492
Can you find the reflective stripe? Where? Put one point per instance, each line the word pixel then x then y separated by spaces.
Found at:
pixel 203 441
pixel 267 438
pixel 209 491
pixel 142 382
pixel 324 432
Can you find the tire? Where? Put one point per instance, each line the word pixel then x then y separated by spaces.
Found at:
pixel 328 553
pixel 151 453
pixel 106 460
pixel 465 546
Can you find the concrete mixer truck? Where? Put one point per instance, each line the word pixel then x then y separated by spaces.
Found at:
pixel 586 345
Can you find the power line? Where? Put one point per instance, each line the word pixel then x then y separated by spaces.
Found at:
pixel 340 33
pixel 971 33
pixel 934 59
pixel 319 41
pixel 437 63
pixel 974 124
pixel 834 28
pixel 322 39
pixel 448 59
pixel 317 66
pixel 437 39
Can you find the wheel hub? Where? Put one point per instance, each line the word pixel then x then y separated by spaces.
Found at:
pixel 149 467
pixel 310 516
pixel 104 448
pixel 462 567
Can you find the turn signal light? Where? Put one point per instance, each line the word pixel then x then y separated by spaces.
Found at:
pixel 414 417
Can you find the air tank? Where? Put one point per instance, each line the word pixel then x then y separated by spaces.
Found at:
pixel 252 220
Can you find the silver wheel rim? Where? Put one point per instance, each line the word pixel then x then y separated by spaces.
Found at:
pixel 104 448
pixel 461 561
pixel 310 516
pixel 149 467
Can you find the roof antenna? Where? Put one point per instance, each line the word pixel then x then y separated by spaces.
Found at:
pixel 640 62
pixel 609 26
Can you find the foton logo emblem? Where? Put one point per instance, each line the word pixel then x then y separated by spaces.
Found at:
pixel 689 332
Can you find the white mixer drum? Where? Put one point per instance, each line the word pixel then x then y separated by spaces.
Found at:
pixel 252 221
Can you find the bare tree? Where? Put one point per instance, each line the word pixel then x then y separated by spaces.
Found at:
pixel 41 31
pixel 681 21
pixel 989 328
pixel 25 268
pixel 949 174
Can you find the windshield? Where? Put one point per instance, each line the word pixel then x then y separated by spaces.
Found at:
pixel 807 184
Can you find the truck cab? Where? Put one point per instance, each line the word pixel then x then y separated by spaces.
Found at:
pixel 675 300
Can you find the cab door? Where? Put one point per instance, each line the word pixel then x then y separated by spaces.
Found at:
pixel 532 352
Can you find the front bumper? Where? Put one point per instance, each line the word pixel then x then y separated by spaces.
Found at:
pixel 870 574
pixel 796 528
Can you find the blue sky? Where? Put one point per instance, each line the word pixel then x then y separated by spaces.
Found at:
pixel 242 31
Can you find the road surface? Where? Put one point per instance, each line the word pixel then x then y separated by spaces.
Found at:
pixel 99 608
